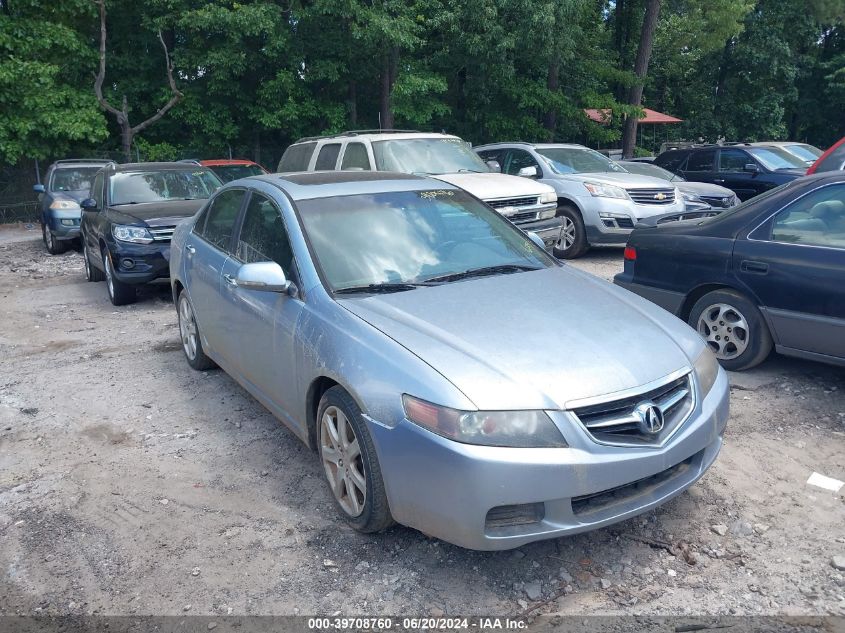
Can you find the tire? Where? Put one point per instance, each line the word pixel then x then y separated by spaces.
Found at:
pixel 121 294
pixel 190 335
pixel 338 417
pixel 54 246
pixel 733 327
pixel 572 240
pixel 92 273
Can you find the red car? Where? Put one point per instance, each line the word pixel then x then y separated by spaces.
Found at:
pixel 228 170
pixel 832 160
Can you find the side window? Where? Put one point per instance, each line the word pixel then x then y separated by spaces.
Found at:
pixel 263 237
pixel 327 158
pixel 220 218
pixel 733 160
pixel 355 157
pixel 672 161
pixel 517 159
pixel 296 157
pixel 817 219
pixel 701 161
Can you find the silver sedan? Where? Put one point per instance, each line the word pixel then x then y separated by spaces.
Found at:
pixel 450 375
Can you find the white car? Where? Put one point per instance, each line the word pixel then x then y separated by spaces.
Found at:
pixel 530 205
pixel 599 202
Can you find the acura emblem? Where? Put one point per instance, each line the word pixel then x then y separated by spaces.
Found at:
pixel 660 196
pixel 650 418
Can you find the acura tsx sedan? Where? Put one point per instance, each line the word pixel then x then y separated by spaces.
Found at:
pixel 450 375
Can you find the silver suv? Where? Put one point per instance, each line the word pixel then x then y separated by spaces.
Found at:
pixel 599 202
pixel 530 205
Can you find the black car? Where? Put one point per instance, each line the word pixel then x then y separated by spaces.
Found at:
pixel 129 217
pixel 745 169
pixel 766 273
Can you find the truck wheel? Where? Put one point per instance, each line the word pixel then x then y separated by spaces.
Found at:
pixel 572 240
pixel 121 294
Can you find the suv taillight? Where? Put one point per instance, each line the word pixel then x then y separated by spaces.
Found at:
pixel 630 253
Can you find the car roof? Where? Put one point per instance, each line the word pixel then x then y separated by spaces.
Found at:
pixel 375 135
pixel 127 167
pixel 503 144
pixel 219 162
pixel 307 185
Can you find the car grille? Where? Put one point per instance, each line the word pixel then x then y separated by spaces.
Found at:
pixel 618 421
pixel 513 202
pixel 691 215
pixel 719 201
pixel 525 216
pixel 652 196
pixel 162 233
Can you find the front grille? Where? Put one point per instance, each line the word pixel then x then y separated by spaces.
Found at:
pixel 513 202
pixel 722 202
pixel 162 233
pixel 690 215
pixel 525 216
pixel 587 504
pixel 652 196
pixel 620 422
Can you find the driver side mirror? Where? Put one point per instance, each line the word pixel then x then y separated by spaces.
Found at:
pixel 494 166
pixel 528 172
pixel 536 239
pixel 89 204
pixel 752 167
pixel 263 277
pixel 39 188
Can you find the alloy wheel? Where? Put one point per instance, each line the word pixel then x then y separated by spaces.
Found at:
pixel 342 460
pixel 109 276
pixel 87 262
pixel 725 329
pixel 187 327
pixel 566 238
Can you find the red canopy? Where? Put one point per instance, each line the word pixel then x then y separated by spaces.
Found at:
pixel 603 116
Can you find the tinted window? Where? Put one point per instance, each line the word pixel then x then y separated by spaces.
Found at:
pixel 155 186
pixel 296 157
pixel 817 219
pixel 671 160
pixel 220 218
pixel 355 157
pixel 733 160
pixel 263 237
pixel 327 158
pixel 701 161
pixel 516 160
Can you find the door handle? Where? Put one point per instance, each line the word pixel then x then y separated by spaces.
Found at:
pixel 718 180
pixel 191 250
pixel 750 266
pixel 231 281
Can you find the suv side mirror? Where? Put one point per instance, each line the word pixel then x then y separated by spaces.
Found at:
pixel 89 204
pixel 263 277
pixel 536 239
pixel 39 188
pixel 752 167
pixel 528 172
pixel 494 166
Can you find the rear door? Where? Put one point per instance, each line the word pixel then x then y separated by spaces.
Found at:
pixel 733 175
pixel 700 166
pixel 794 263
pixel 206 250
pixel 327 157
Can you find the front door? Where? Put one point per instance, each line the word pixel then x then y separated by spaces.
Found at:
pixel 733 174
pixel 700 165
pixel 795 263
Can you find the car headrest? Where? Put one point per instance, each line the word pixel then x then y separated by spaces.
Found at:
pixel 827 209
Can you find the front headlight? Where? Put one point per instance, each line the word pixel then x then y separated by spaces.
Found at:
pixel 547 197
pixel 706 370
pixel 134 234
pixel 517 429
pixel 605 191
pixel 65 205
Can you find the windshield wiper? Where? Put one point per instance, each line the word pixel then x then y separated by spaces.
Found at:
pixel 501 269
pixel 468 171
pixel 380 287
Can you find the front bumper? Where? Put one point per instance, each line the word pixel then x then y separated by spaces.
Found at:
pixel 64 225
pixel 148 261
pixel 625 215
pixel 445 489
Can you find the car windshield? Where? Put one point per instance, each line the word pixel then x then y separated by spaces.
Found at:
pixel 155 186
pixel 577 160
pixel 774 158
pixel 647 169
pixel 430 156
pixel 395 240
pixel 228 173
pixel 807 153
pixel 73 178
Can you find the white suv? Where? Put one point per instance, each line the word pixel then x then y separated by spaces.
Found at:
pixel 599 202
pixel 529 204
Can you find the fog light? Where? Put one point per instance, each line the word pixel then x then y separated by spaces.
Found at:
pixel 523 514
pixel 67 222
pixel 128 264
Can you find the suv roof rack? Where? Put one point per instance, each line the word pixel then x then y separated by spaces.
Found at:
pixel 63 161
pixel 305 139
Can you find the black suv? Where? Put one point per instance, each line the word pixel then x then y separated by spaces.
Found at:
pixel 746 170
pixel 129 217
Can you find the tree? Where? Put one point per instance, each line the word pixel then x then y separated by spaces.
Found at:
pixel 635 94
pixel 127 130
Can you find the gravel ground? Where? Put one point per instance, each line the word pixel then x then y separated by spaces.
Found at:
pixel 130 484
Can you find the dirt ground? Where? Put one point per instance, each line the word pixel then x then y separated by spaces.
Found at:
pixel 130 484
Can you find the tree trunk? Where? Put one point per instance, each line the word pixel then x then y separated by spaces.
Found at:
pixel 390 69
pixel 635 95
pixel 552 83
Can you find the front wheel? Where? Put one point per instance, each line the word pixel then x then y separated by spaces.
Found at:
pixel 120 293
pixel 572 239
pixel 92 273
pixel 54 246
pixel 733 327
pixel 350 462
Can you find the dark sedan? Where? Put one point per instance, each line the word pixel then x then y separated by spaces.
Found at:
pixel 765 273
pixel 130 216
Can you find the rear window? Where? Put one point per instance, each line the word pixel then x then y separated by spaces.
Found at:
pixel 671 160
pixel 296 157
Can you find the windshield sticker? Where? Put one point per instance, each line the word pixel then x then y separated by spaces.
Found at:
pixel 430 195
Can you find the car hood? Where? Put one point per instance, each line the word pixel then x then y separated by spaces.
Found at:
pixel 704 189
pixel 489 186
pixel 627 181
pixel 533 340
pixel 792 172
pixel 155 213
